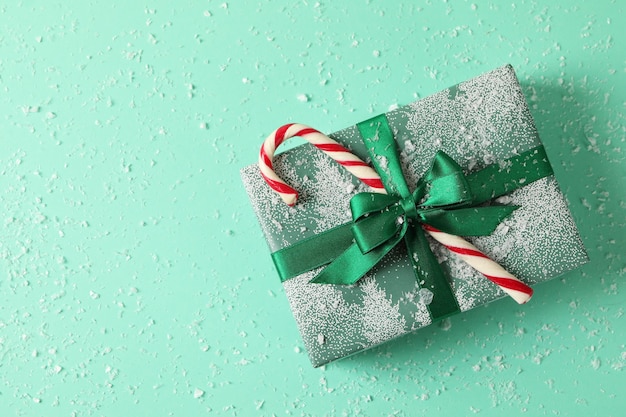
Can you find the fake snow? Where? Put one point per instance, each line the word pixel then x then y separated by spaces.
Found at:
pixel 382 319
pixel 426 296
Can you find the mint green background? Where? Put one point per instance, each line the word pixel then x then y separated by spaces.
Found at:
pixel 135 280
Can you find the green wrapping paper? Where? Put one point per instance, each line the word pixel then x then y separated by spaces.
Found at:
pixel 480 122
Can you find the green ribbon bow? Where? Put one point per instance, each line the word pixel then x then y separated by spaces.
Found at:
pixel 445 198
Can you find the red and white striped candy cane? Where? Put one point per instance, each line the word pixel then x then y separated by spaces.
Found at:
pixel 511 285
pixel 340 154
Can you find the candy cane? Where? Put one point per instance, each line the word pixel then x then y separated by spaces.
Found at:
pixel 344 157
pixel 511 285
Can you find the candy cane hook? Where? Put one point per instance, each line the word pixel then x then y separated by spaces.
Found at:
pixel 511 285
pixel 337 152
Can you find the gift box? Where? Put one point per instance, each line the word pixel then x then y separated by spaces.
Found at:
pixel 484 125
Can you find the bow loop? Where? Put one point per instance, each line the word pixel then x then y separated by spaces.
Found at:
pixel 444 184
pixel 364 204
pixel 372 231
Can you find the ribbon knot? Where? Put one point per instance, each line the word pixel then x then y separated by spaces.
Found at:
pixel 409 207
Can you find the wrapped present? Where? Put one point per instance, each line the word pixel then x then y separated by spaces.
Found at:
pixel 361 268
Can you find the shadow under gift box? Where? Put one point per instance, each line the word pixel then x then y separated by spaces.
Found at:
pixel 479 122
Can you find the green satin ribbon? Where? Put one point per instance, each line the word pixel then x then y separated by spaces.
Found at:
pixel 445 198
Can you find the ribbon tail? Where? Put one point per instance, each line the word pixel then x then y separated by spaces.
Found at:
pixel 430 275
